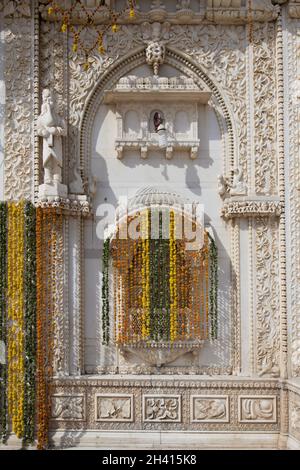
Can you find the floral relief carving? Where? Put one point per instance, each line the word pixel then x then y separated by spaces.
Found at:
pixel 209 409
pixel 295 417
pixel 114 408
pixel 16 8
pixel 18 113
pixel 294 178
pixel 67 407
pixel 221 53
pixel 261 409
pixel 265 105
pixel 162 409
pixel 267 297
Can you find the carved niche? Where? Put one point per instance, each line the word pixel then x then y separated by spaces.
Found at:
pixel 137 99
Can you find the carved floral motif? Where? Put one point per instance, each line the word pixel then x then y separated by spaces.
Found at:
pixel 293 195
pixel 267 297
pixel 114 408
pixel 68 408
pixel 265 116
pixel 162 408
pixel 18 112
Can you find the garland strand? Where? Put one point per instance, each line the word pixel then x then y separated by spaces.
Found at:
pixel 173 274
pixel 162 291
pixel 30 322
pixel 105 292
pixel 213 292
pixel 15 315
pixel 145 275
pixel 3 322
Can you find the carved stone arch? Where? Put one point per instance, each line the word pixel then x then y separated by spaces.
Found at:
pixel 184 64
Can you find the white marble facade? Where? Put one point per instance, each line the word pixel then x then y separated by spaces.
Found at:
pixel 230 102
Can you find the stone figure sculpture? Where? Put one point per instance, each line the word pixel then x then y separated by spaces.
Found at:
pixel 51 127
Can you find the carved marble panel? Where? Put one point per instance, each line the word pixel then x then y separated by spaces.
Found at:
pixel 295 418
pixel 267 296
pixel 261 409
pixel 162 408
pixel 19 107
pixel 114 408
pixel 209 408
pixel 68 407
pixel 265 108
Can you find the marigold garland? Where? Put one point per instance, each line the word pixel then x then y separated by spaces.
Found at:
pixel 162 290
pixel 145 275
pixel 15 316
pixel 3 320
pixel 173 274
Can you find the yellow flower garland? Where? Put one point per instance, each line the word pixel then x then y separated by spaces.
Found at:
pixel 16 369
pixel 145 275
pixel 173 279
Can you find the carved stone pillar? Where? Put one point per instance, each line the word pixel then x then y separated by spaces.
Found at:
pixel 75 294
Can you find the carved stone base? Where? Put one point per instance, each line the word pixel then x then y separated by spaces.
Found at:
pixel 53 190
pixel 158 354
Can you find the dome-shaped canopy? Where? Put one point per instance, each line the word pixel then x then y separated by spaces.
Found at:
pixel 156 195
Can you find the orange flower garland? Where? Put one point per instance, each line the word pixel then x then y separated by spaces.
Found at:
pixel 162 291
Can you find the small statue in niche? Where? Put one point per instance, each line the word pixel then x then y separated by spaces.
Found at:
pixel 51 127
pixel 238 187
pixel 159 127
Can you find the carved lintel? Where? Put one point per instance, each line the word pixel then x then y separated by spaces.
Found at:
pixel 216 11
pixel 250 208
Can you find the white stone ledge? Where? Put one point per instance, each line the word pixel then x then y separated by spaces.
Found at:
pixel 167 440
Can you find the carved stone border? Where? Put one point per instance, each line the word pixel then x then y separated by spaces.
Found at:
pixel 226 419
pixel 257 397
pixel 115 396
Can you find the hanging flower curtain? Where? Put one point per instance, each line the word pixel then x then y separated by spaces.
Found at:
pixel 162 292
